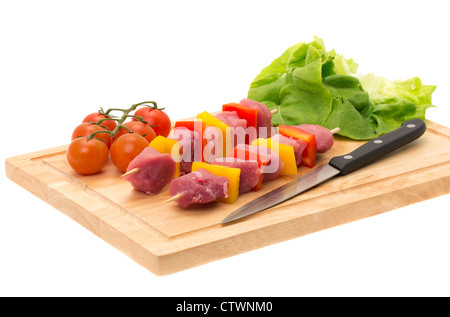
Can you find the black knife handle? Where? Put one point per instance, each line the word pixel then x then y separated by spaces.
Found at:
pixel 376 148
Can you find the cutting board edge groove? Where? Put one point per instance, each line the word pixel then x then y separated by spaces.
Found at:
pixel 163 263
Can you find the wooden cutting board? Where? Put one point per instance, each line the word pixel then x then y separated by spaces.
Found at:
pixel 165 238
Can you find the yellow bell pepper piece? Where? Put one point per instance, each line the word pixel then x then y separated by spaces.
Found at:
pixel 233 175
pixel 170 146
pixel 285 152
pixel 224 128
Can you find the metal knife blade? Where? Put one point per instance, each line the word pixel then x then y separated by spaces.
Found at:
pixel 338 165
pixel 285 192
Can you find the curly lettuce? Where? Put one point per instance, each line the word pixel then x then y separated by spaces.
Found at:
pixel 308 84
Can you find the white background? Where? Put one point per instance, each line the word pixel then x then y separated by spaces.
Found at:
pixel 60 60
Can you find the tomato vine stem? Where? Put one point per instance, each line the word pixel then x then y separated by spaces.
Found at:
pixel 125 114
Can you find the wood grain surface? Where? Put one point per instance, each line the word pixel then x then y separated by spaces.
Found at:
pixel 165 238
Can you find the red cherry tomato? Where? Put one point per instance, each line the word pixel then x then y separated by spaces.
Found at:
pixel 95 117
pixel 86 129
pixel 157 119
pixel 137 127
pixel 126 148
pixel 87 157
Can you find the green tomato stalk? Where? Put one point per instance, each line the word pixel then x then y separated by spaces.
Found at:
pixel 125 114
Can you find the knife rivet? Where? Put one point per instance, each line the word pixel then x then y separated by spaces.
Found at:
pixel 411 125
pixel 378 141
pixel 348 157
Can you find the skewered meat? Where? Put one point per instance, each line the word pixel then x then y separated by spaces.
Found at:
pixel 198 187
pixel 274 166
pixel 239 131
pixel 264 127
pixel 324 137
pixel 190 147
pixel 297 144
pixel 154 171
pixel 232 119
pixel 250 171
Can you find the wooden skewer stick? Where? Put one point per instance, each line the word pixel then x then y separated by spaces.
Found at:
pixel 335 130
pixel 133 171
pixel 175 197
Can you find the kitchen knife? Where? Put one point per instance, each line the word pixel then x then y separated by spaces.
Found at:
pixel 339 165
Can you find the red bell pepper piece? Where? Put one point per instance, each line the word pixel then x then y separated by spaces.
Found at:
pixel 246 154
pixel 243 112
pixel 198 126
pixel 190 124
pixel 310 152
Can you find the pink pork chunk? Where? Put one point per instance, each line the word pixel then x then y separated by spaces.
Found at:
pixel 190 141
pixel 156 170
pixel 275 165
pixel 297 144
pixel 250 171
pixel 238 128
pixel 324 137
pixel 199 187
pixel 264 120
pixel 232 119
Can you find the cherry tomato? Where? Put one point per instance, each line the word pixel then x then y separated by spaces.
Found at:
pixel 86 129
pixel 137 127
pixel 87 157
pixel 156 118
pixel 126 148
pixel 95 117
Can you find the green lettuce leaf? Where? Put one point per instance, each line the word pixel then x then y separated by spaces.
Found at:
pixel 393 102
pixel 308 84
pixel 350 108
pixel 304 97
